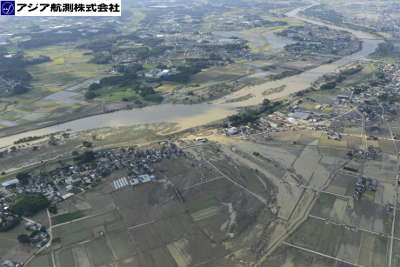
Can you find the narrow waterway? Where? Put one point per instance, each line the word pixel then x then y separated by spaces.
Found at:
pixel 188 116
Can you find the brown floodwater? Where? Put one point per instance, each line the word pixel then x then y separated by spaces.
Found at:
pixel 188 116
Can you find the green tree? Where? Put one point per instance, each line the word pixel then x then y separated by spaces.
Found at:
pixel 29 204
pixel 156 98
pixel 85 157
pixel 24 239
pixel 90 95
pixel 94 86
pixel 23 177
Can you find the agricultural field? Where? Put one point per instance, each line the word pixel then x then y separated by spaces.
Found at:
pixel 308 175
pixel 346 247
pixel 68 67
pixel 192 214
pixel 225 196
pixel 340 230
pixel 11 248
pixel 56 87
pixel 213 199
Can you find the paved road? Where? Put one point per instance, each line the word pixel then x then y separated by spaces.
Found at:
pixel 321 254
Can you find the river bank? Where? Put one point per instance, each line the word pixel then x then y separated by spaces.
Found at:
pixel 187 116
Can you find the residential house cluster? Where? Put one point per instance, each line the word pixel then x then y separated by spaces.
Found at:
pixel 319 39
pixel 62 183
pixel 8 263
pixel 38 234
pixel 7 218
pixel 363 184
pixel 372 153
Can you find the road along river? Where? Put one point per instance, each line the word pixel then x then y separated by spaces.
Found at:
pixel 188 116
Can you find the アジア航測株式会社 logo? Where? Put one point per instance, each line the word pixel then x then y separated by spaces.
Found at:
pixel 7 8
pixel 60 8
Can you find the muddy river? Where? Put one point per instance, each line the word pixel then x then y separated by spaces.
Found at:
pixel 188 116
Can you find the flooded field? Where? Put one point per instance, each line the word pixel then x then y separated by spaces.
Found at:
pixel 188 116
pixel 64 98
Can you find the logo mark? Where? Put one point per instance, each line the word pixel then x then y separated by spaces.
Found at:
pixel 7 8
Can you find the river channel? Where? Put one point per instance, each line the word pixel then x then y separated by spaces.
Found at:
pixel 188 116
